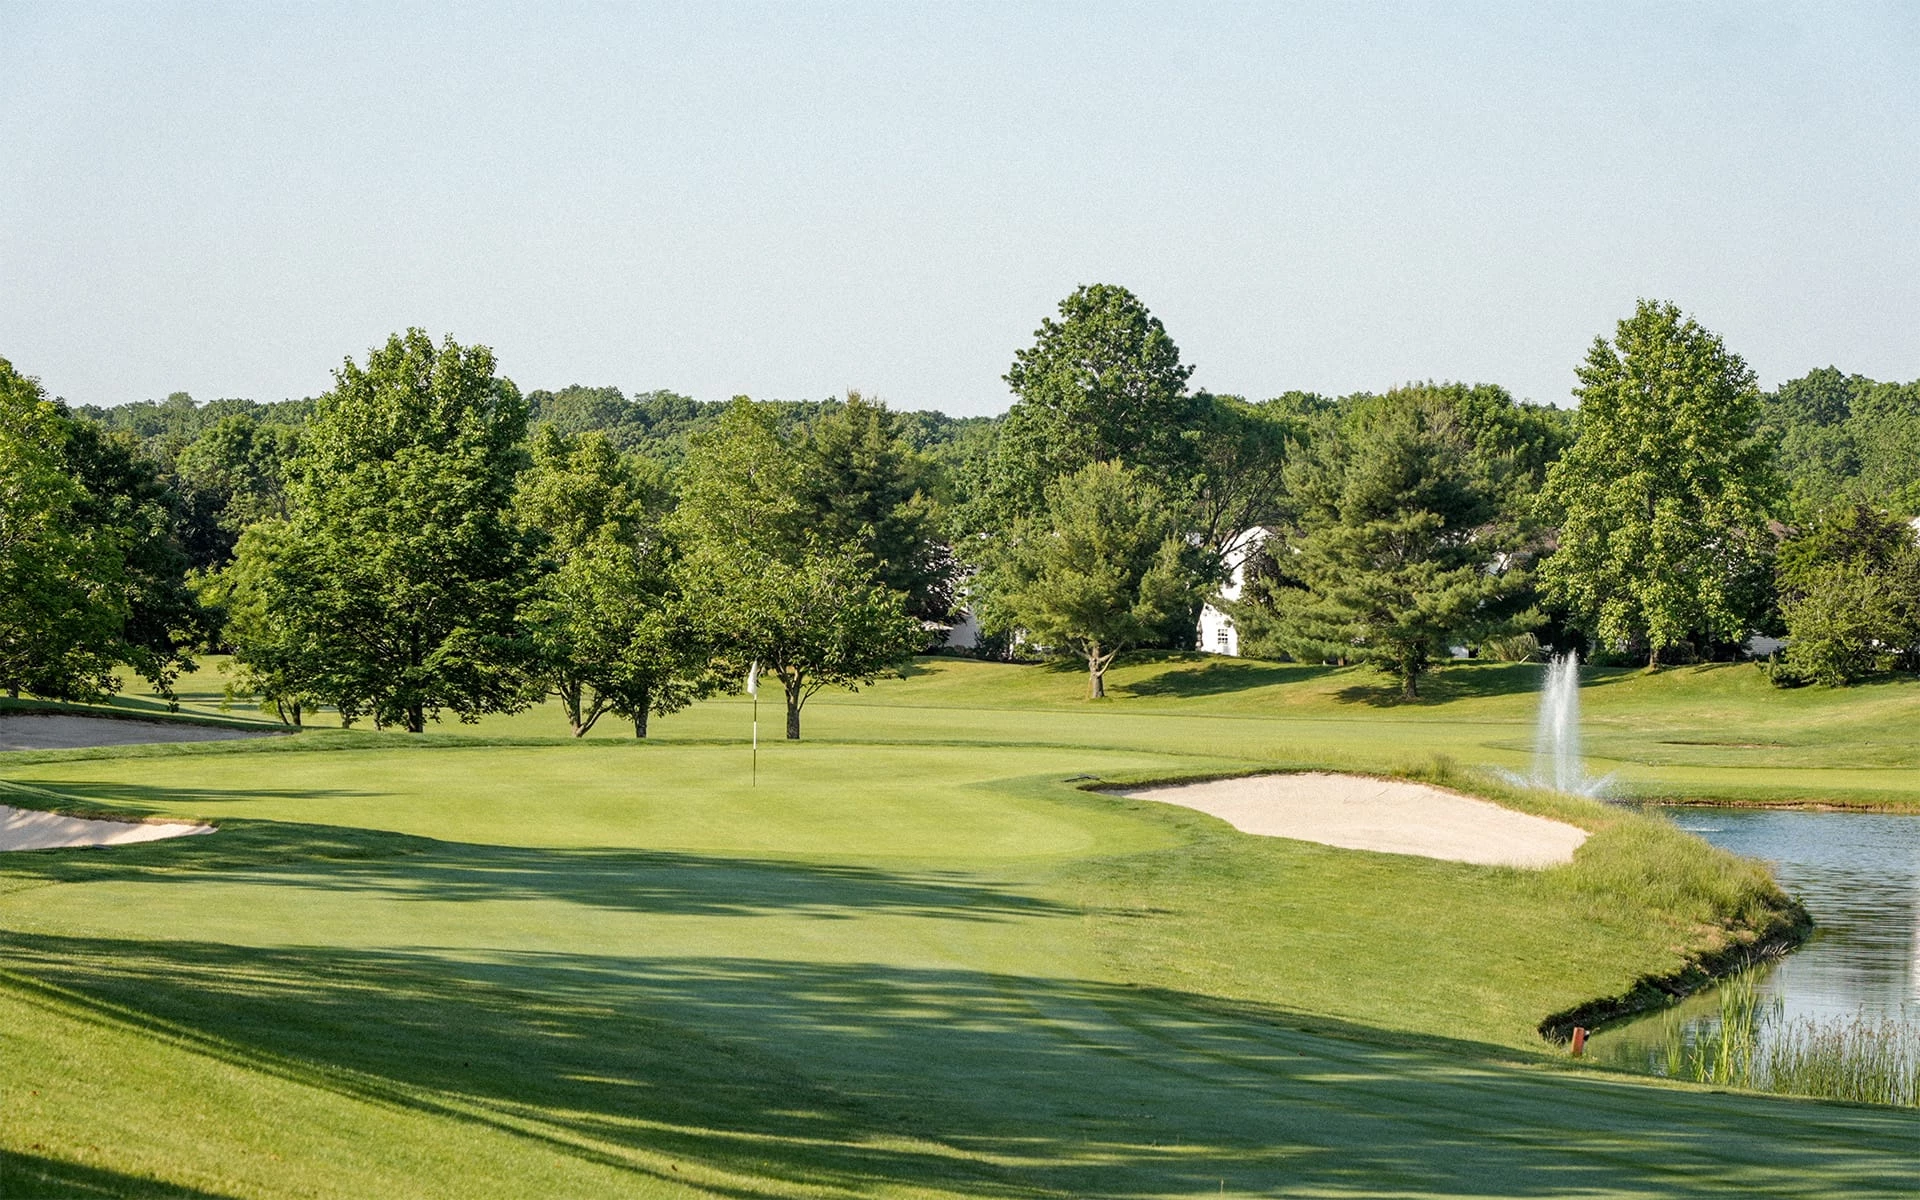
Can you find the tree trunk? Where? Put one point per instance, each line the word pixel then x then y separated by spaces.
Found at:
pixel 640 713
pixel 416 715
pixel 793 714
pixel 296 714
pixel 1096 675
pixel 1653 658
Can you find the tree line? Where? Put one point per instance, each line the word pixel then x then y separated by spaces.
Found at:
pixel 424 539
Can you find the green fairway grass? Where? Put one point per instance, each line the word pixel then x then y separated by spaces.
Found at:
pixel 1718 733
pixel 916 958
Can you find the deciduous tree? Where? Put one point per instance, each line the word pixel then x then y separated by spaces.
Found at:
pixel 265 595
pixel 63 594
pixel 1100 569
pixel 1662 499
pixel 123 493
pixel 400 529
pixel 1849 590
pixel 1103 383
pixel 230 477
pixel 1239 480
pixel 767 578
pixel 822 621
pixel 606 616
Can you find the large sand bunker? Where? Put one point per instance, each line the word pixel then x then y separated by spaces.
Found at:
pixel 30 829
pixel 1357 812
pixel 63 731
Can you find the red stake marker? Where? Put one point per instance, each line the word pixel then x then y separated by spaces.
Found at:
pixel 1579 1040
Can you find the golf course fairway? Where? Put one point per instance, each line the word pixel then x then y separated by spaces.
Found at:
pixel 914 956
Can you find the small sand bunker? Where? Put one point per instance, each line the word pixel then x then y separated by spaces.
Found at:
pixel 1361 813
pixel 30 829
pixel 61 731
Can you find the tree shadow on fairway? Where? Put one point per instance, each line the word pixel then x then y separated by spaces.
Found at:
pixel 393 866
pixel 666 883
pixel 239 845
pixel 780 1074
pixel 32 1175
pixel 1220 677
pixel 1466 681
pixel 117 797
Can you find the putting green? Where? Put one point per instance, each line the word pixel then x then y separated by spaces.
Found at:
pixel 919 965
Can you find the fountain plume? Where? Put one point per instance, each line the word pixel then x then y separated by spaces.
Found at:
pixel 1556 735
pixel 1557 762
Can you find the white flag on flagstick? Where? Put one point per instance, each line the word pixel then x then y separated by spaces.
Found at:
pixel 753 680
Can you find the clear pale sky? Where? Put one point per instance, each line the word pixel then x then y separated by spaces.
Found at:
pixel 788 200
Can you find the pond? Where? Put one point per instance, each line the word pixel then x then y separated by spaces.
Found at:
pixel 1859 875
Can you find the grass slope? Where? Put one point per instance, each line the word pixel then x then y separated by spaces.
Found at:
pixel 914 960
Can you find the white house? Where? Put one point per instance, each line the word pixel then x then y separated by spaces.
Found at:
pixel 1217 634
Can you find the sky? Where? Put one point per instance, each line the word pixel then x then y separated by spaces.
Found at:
pixel 789 200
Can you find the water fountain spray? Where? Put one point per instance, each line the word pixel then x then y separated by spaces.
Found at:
pixel 1557 763
pixel 1556 736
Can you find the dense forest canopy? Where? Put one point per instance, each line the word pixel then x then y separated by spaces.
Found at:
pixel 1836 436
pixel 605 547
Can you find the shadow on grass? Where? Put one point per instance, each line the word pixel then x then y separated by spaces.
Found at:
pixel 393 866
pixel 1221 676
pixel 1467 681
pixel 119 796
pixel 31 1175
pixel 785 1074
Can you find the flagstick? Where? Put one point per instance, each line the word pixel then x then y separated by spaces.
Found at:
pixel 753 689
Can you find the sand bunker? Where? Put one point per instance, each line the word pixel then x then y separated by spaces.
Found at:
pixel 30 829
pixel 1361 813
pixel 58 731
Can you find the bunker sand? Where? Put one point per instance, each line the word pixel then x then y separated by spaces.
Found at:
pixel 1358 812
pixel 29 829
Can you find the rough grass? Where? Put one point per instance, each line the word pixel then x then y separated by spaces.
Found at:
pixel 917 959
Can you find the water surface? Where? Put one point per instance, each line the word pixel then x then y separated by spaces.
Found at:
pixel 1859 875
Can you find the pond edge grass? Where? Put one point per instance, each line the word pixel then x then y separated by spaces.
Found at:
pixel 1703 969
pixel 1726 949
